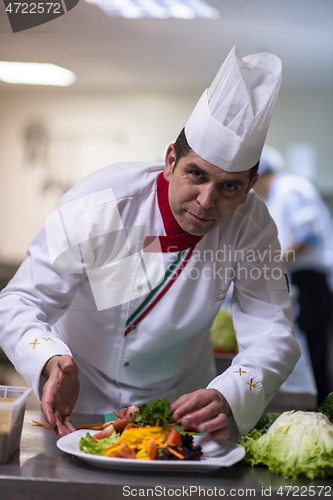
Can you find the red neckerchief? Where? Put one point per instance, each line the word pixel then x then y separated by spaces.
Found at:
pixel 177 239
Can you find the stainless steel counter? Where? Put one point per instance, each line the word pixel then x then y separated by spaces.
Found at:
pixel 41 471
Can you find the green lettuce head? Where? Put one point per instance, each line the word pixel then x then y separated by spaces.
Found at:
pixel 298 442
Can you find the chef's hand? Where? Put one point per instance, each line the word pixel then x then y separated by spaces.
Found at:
pixel 206 409
pixel 60 393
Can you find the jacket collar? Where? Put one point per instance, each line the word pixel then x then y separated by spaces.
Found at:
pixel 176 238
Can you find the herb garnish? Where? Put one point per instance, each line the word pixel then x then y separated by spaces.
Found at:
pixel 327 407
pixel 154 411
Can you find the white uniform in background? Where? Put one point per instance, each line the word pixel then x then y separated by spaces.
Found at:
pixel 68 298
pixel 301 215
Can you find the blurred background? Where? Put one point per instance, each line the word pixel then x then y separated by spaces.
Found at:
pixel 137 81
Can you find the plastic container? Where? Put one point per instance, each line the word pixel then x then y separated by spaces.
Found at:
pixel 12 409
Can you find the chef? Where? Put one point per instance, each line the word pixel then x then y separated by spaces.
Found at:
pixel 115 299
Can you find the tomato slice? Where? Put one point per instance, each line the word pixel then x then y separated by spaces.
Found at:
pixel 118 423
pixel 125 451
pixel 174 438
pixel 105 433
pixel 126 412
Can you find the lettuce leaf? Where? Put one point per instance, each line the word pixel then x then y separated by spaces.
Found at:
pixel 88 445
pixel 297 443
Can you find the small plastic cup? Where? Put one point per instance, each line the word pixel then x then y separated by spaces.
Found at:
pixel 12 409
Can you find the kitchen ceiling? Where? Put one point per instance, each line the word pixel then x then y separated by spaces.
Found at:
pixel 109 53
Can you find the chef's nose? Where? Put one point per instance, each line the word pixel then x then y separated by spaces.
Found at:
pixel 207 196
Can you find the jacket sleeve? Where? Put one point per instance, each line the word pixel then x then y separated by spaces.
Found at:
pixel 44 286
pixel 58 259
pixel 31 303
pixel 262 316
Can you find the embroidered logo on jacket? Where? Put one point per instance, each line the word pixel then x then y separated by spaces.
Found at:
pixel 221 294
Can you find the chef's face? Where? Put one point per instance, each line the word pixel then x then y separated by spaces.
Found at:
pixel 203 196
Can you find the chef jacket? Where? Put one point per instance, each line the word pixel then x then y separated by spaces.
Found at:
pixel 301 216
pixel 134 310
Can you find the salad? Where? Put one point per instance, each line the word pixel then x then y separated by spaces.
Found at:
pixel 145 433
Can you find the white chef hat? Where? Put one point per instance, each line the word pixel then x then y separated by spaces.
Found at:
pixel 229 124
pixel 271 161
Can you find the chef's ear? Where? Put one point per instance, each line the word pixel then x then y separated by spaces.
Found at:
pixel 170 160
pixel 249 187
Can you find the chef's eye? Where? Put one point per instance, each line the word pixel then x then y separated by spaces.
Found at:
pixel 229 186
pixel 196 174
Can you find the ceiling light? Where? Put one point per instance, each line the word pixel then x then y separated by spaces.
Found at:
pixel 160 9
pixel 35 74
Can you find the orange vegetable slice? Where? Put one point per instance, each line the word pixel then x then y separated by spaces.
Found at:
pixel 174 438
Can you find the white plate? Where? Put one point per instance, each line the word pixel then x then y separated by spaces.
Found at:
pixel 216 454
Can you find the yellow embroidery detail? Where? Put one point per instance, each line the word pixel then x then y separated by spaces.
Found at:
pixel 34 343
pixel 48 338
pixel 221 294
pixel 251 384
pixel 239 371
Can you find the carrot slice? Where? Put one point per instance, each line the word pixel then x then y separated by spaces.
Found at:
pixel 42 425
pixel 111 452
pixel 86 426
pixel 175 453
pixel 89 426
pixel 152 449
pixel 112 446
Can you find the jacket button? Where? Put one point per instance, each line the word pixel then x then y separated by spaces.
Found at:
pixel 126 364
pixel 139 287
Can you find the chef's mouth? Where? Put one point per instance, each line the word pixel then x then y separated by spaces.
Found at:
pixel 200 219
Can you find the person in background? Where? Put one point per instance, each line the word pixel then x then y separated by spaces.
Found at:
pixel 305 233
